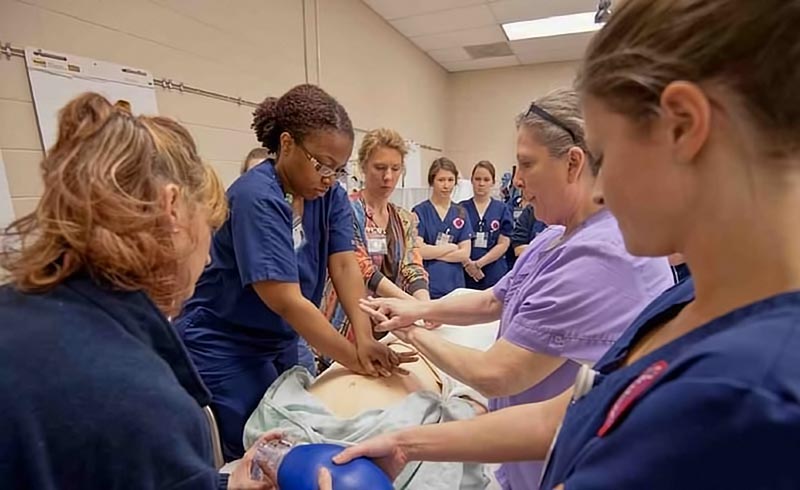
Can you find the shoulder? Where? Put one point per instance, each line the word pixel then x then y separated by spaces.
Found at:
pixel 338 192
pixel 755 346
pixel 421 207
pixel 406 216
pixel 259 184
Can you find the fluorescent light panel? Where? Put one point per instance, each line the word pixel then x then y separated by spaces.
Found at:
pixel 551 26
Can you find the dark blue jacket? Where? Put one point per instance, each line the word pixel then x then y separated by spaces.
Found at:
pixel 98 392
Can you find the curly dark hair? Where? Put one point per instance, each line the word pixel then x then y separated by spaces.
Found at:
pixel 300 111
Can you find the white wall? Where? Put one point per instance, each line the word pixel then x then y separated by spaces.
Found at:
pixel 482 107
pixel 246 48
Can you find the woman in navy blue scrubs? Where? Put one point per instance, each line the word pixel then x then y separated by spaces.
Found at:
pixel 492 226
pixel 290 225
pixel 444 231
pixel 694 118
pixel 97 388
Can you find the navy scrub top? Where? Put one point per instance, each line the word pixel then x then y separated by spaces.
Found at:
pixel 718 408
pixel 496 221
pixel 443 277
pixel 256 244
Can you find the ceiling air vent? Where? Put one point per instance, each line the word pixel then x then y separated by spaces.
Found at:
pixel 492 50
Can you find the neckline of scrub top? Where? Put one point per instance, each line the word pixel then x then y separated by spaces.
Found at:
pixel 671 305
pixel 481 223
pixel 600 215
pixel 436 211
pixel 471 202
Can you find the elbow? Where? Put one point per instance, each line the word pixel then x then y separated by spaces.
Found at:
pixel 492 384
pixel 282 307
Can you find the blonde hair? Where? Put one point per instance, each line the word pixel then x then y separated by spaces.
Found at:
pixel 380 138
pixel 102 208
pixel 748 49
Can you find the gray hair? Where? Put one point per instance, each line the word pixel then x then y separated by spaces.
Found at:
pixel 564 106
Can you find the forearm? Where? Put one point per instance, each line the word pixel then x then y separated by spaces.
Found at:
pixel 462 363
pixel 519 249
pixel 456 256
pixel 311 324
pixel 520 433
pixel 422 295
pixel 349 284
pixel 431 252
pixel 494 254
pixel 388 289
pixel 459 255
pixel 464 309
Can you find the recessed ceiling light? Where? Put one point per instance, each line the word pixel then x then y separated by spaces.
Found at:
pixel 551 26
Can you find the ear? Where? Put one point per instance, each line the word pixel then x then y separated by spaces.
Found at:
pixel 287 142
pixel 686 112
pixel 171 205
pixel 576 163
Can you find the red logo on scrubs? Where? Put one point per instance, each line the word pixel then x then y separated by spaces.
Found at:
pixel 495 225
pixel 633 392
pixel 458 223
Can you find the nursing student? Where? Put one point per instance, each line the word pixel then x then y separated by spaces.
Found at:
pixel 290 226
pixel 385 233
pixel 570 296
pixel 696 127
pixel 445 231
pixel 97 388
pixel 492 226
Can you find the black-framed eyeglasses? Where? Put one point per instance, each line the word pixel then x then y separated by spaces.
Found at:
pixel 535 109
pixel 323 170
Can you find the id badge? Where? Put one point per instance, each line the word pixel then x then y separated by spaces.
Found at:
pixel 444 239
pixel 376 241
pixel 298 234
pixel 376 245
pixel 481 239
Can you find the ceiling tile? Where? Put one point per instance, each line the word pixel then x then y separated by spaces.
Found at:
pixel 395 9
pixel 445 21
pixel 481 64
pixel 515 10
pixel 449 54
pixel 572 44
pixel 562 48
pixel 467 37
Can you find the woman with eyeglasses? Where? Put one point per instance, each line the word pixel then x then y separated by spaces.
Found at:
pixel 570 295
pixel 290 225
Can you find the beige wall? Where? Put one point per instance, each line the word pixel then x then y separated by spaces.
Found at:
pixel 247 48
pixel 482 105
pixel 382 79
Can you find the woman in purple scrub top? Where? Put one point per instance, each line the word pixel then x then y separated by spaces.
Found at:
pixel 570 295
pixel 693 109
